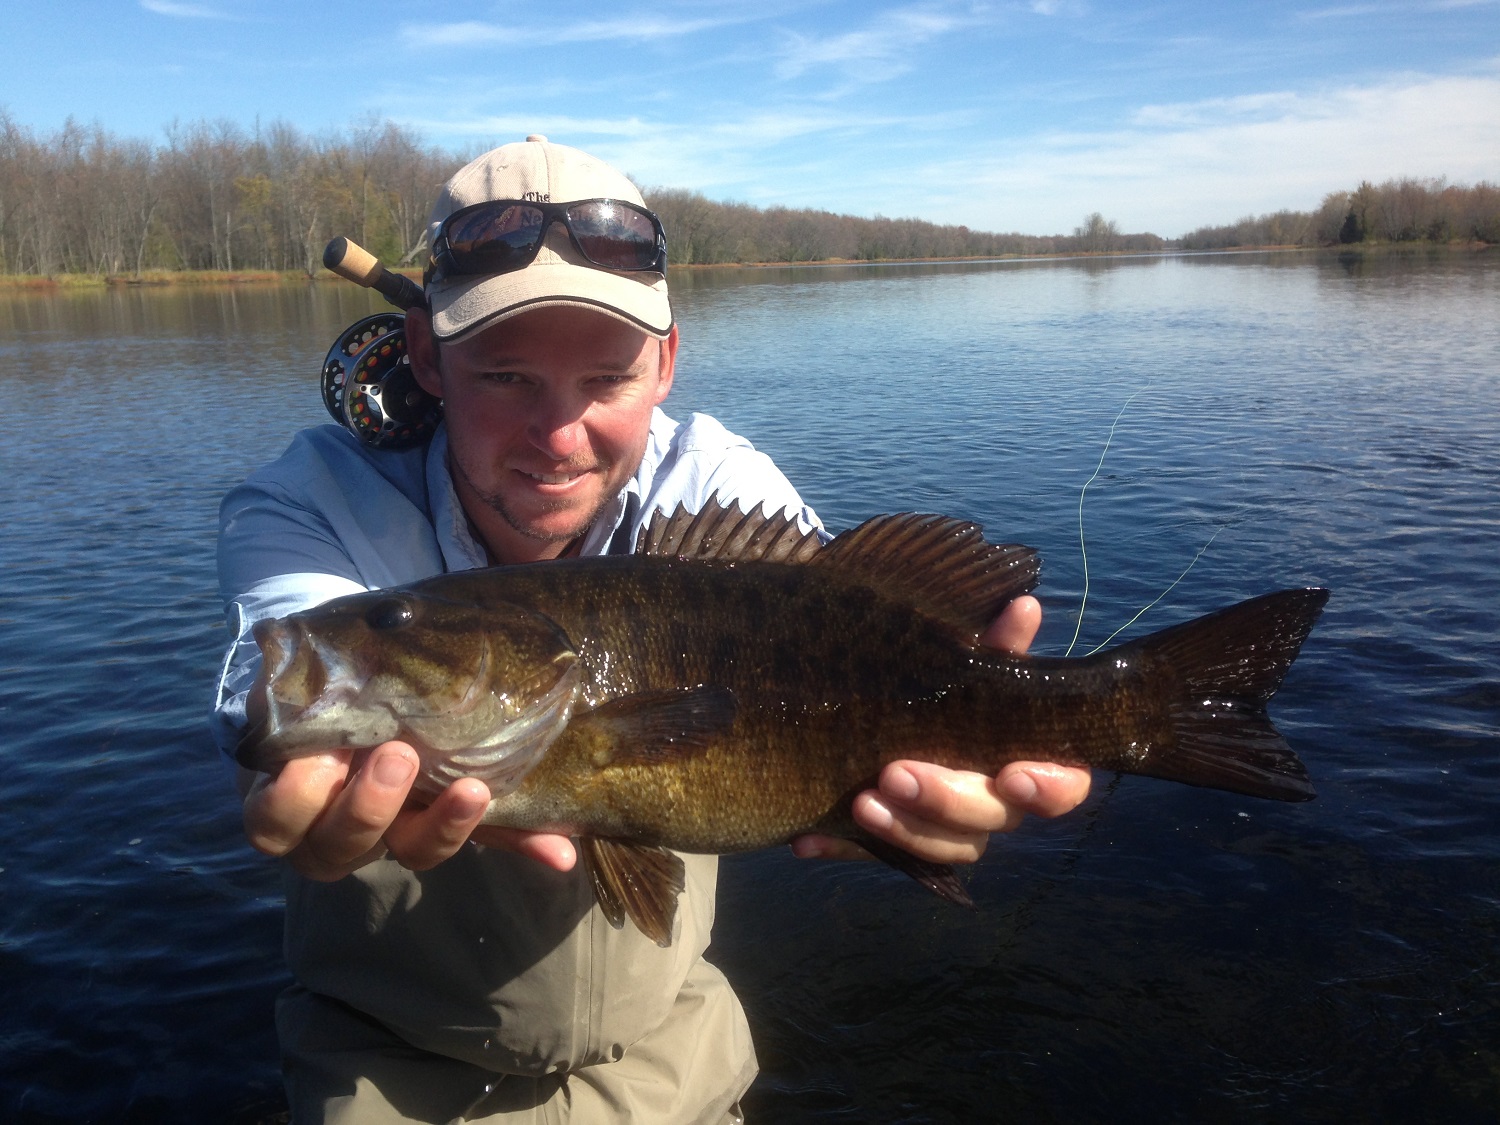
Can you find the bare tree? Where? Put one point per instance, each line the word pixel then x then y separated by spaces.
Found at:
pixel 1097 235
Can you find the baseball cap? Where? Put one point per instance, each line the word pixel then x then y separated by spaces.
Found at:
pixel 538 170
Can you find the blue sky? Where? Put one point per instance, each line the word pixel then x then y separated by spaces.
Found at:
pixel 1005 116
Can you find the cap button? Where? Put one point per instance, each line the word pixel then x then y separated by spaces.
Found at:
pixel 538 138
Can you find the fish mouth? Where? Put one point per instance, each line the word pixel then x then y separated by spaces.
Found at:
pixel 305 677
pixel 300 699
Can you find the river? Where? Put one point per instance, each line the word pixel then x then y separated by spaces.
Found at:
pixel 1163 954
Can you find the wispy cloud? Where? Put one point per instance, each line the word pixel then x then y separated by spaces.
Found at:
pixel 753 156
pixel 875 51
pixel 184 11
pixel 472 33
pixel 1348 11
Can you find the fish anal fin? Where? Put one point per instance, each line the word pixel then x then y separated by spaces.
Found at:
pixel 720 531
pixel 636 882
pixel 653 727
pixel 938 878
pixel 942 565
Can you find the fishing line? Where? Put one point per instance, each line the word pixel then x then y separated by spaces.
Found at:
pixel 1159 596
pixel 1082 546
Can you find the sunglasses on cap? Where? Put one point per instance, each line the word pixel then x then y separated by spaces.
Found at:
pixel 504 235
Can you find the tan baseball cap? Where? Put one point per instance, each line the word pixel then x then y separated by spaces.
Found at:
pixel 536 169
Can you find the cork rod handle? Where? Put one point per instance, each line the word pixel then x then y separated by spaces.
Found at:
pixel 352 261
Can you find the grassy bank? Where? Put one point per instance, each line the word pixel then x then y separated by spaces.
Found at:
pixel 68 281
pixel 75 281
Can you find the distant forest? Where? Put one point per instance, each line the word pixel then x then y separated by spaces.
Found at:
pixel 1404 210
pixel 214 196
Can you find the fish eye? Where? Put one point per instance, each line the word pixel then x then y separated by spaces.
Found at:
pixel 389 613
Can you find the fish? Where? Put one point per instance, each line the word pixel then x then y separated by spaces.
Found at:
pixel 736 681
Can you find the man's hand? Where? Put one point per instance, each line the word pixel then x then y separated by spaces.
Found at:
pixel 332 813
pixel 946 816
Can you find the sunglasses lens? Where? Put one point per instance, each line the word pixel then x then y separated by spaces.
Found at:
pixel 612 236
pixel 495 237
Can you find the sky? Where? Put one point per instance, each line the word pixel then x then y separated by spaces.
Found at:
pixel 1018 116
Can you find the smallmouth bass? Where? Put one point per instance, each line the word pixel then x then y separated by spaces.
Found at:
pixel 735 683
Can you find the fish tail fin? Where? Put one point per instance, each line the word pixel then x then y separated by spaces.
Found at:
pixel 1227 666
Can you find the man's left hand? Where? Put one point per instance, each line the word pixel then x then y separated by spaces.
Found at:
pixel 946 816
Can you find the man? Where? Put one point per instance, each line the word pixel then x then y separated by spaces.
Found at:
pixel 447 970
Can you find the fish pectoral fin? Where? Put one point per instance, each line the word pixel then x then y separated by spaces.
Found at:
pixel 635 881
pixel 652 727
pixel 938 878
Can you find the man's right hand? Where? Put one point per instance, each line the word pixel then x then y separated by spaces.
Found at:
pixel 332 813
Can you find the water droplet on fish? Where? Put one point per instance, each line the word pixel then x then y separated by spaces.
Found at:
pixel 134 842
pixel 1243 814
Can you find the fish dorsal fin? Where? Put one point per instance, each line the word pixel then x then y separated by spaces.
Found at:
pixel 726 532
pixel 941 565
pixel 635 881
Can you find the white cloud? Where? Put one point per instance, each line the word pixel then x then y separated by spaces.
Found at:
pixel 1347 11
pixel 472 33
pixel 183 11
pixel 1175 168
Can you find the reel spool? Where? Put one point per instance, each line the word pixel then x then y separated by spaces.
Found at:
pixel 369 388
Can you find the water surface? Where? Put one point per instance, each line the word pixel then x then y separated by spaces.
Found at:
pixel 1165 953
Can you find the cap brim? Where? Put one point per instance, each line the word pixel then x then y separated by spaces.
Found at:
pixel 468 304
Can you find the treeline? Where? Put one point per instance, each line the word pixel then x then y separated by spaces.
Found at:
pixel 1404 210
pixel 215 196
pixel 212 197
pixel 701 231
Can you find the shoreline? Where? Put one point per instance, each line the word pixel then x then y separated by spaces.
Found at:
pixel 166 278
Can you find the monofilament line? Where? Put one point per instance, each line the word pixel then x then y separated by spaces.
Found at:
pixel 1159 596
pixel 1082 546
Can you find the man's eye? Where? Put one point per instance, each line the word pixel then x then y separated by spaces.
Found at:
pixel 500 377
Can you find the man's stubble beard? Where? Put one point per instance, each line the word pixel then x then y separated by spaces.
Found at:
pixel 496 503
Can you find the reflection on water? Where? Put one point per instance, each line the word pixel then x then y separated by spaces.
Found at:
pixel 1165 952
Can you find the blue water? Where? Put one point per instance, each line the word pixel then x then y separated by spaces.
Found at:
pixel 1165 953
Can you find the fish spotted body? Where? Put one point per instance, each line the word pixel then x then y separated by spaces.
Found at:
pixel 735 683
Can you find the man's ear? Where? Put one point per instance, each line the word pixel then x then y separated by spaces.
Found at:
pixel 667 365
pixel 422 348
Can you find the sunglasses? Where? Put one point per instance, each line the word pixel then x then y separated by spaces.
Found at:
pixel 504 235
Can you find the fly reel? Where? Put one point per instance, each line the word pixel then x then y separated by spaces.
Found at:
pixel 369 388
pixel 368 385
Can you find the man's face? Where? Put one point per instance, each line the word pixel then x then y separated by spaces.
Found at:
pixel 548 414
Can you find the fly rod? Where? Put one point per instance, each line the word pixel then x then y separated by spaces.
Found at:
pixel 353 262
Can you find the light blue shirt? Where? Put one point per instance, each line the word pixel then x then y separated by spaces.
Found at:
pixel 333 517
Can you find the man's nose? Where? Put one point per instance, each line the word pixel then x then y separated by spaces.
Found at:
pixel 557 428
